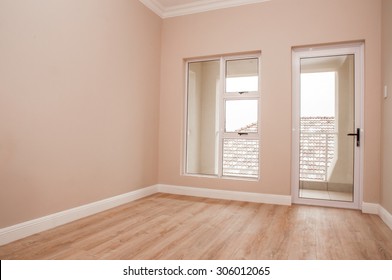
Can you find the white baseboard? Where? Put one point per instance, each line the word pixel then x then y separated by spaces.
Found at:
pixel 386 217
pixel 227 195
pixel 370 208
pixel 28 228
pixel 377 209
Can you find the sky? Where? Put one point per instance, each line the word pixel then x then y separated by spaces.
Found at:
pixel 318 94
pixel 317 99
pixel 241 113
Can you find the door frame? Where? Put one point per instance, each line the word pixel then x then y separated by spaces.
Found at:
pixel 357 49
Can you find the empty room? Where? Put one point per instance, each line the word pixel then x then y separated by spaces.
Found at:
pixel 196 129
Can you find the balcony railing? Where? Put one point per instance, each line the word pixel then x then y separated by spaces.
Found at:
pixel 317 147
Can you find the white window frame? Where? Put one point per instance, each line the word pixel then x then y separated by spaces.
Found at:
pixel 224 96
pixel 357 49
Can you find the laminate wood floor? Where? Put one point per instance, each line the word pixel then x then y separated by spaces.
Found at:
pixel 164 226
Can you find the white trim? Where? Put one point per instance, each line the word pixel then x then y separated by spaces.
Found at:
pixel 154 6
pixel 226 195
pixel 372 208
pixel 31 227
pixel 356 48
pixel 221 117
pixel 28 228
pixel 385 216
pixel 295 123
pixel 193 8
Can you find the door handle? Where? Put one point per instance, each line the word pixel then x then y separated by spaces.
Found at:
pixel 358 135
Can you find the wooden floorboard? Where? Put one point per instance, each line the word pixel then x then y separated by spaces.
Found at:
pixel 164 226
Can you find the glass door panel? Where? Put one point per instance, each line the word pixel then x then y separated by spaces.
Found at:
pixel 327 128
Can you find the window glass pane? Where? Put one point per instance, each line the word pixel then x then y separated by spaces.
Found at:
pixel 203 118
pixel 241 116
pixel 241 157
pixel 242 75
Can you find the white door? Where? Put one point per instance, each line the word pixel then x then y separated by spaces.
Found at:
pixel 327 133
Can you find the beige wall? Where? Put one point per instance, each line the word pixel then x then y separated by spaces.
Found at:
pixel 342 172
pixel 386 191
pixel 273 27
pixel 79 102
pixel 80 109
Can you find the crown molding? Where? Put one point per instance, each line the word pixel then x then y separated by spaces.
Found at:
pixel 154 6
pixel 192 8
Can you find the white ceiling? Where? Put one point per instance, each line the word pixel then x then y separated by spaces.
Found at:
pixel 172 8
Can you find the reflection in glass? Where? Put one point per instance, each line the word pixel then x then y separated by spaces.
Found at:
pixel 242 75
pixel 203 118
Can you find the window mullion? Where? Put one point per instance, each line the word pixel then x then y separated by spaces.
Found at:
pixel 221 116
